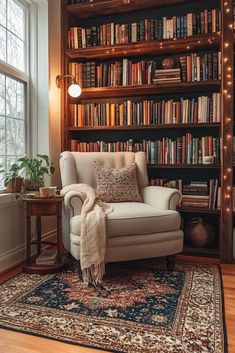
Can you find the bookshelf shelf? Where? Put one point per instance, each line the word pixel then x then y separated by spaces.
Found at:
pixel 163 47
pixel 184 166
pixel 146 127
pixel 111 7
pixel 146 90
pixel 208 252
pixel 197 210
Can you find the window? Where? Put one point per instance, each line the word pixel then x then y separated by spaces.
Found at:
pixel 13 81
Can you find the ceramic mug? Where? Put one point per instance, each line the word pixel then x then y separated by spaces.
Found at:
pixel 47 191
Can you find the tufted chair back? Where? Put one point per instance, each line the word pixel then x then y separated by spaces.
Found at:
pixel 78 167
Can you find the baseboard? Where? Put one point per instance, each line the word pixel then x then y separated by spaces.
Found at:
pixel 16 256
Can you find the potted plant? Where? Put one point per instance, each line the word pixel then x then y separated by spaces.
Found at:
pixel 12 179
pixel 35 170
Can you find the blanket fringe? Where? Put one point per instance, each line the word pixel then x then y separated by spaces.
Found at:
pixel 94 274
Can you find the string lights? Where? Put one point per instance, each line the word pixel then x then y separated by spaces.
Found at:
pixel 227 175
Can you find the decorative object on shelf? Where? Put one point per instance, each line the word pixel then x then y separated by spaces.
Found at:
pixel 12 180
pixel 208 160
pixel 35 170
pixel 74 89
pixel 199 232
pixel 168 63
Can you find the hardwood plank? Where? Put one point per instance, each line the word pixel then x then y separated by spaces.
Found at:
pixel 15 342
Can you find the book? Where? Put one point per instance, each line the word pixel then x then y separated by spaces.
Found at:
pixel 47 257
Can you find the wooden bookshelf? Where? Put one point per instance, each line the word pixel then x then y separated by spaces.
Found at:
pixel 146 90
pixel 93 13
pixel 147 47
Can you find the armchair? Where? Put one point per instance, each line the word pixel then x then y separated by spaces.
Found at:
pixel 134 230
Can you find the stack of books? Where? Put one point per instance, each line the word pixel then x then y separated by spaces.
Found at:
pixel 47 257
pixel 200 194
pixel 167 75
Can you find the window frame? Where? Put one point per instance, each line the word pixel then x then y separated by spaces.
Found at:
pixel 21 76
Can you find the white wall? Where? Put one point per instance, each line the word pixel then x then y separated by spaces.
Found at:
pixel 54 92
pixel 44 132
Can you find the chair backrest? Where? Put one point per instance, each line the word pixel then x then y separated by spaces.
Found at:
pixel 78 167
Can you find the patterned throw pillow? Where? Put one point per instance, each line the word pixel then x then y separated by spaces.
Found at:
pixel 117 185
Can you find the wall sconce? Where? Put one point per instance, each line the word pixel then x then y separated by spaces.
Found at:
pixel 74 89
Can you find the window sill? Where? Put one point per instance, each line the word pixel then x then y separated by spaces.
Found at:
pixel 7 199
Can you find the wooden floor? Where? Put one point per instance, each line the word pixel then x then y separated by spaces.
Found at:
pixel 13 342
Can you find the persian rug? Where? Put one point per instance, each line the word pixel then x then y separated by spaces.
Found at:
pixel 140 308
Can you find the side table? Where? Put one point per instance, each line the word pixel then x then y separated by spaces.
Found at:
pixel 39 207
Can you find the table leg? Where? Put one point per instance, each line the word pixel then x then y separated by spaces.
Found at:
pixel 59 231
pixel 28 234
pixel 39 231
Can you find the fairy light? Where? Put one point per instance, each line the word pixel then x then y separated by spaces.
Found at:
pixel 228 136
pixel 226 45
pixel 225 60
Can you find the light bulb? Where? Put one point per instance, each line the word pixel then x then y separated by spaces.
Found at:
pixel 74 90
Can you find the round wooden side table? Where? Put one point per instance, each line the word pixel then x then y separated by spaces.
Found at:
pixel 37 206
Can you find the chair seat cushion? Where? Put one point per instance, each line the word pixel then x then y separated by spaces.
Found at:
pixel 133 218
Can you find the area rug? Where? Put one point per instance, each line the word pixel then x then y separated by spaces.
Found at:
pixel 140 308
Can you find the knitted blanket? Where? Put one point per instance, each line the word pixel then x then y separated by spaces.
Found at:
pixel 93 232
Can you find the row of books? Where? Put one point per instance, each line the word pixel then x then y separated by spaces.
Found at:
pixel 204 109
pixel 194 67
pixel 181 150
pixel 196 194
pixel 207 21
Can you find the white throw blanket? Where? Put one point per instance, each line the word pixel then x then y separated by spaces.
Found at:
pixel 93 232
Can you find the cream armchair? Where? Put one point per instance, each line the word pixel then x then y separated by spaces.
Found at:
pixel 134 230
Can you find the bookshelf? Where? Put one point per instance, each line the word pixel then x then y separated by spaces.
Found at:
pixel 101 12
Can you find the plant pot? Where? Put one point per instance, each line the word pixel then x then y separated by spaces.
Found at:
pixel 14 185
pixel 199 233
pixel 32 185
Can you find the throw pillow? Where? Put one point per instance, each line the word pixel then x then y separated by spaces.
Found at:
pixel 117 185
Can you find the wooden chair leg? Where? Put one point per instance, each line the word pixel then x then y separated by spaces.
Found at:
pixel 170 262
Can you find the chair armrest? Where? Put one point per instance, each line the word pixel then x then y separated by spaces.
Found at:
pixel 160 197
pixel 73 203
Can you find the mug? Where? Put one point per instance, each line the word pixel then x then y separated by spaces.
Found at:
pixel 47 191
